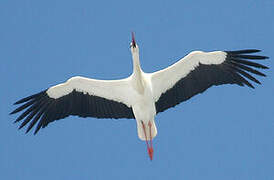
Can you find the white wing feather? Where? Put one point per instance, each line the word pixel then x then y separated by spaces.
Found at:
pixel 117 90
pixel 165 79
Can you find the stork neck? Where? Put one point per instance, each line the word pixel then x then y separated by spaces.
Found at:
pixel 137 73
pixel 136 64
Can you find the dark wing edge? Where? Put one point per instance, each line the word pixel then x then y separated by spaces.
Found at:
pixel 43 109
pixel 236 69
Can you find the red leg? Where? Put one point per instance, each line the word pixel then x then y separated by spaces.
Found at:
pixel 144 129
pixel 149 146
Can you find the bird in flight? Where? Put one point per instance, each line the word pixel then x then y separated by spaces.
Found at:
pixel 141 95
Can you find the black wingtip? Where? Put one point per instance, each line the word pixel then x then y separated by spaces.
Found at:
pixel 27 130
pixel 17 102
pixel 243 54
pixel 244 51
pixel 29 97
pixel 37 129
pixel 23 100
pixel 13 112
pixel 20 127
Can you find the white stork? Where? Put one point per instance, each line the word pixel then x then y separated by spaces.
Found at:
pixel 142 95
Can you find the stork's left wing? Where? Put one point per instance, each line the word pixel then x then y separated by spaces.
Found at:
pixel 79 96
pixel 199 70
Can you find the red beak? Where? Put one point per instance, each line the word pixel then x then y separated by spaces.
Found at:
pixel 133 40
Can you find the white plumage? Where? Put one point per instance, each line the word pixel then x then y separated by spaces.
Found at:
pixel 182 68
pixel 142 95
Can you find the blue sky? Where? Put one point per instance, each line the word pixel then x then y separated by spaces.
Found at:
pixel 225 133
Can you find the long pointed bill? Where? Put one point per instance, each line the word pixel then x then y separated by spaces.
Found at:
pixel 133 40
pixel 149 145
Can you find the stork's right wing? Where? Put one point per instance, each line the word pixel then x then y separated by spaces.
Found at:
pixel 199 70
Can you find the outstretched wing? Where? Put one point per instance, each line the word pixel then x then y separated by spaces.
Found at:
pixel 199 70
pixel 78 96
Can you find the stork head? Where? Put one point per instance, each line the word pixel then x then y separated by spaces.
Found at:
pixel 133 45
